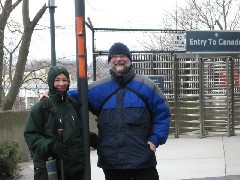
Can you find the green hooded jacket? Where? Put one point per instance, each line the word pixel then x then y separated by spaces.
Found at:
pixel 39 134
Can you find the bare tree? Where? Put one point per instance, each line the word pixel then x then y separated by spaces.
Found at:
pixel 159 41
pixel 28 29
pixel 6 10
pixel 205 14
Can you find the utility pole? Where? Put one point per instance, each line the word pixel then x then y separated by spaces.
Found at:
pixel 82 84
pixel 176 16
pixel 51 6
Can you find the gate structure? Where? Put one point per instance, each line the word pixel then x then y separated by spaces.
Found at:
pixel 203 91
pixel 207 95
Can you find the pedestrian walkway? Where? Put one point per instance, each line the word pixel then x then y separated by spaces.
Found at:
pixel 184 158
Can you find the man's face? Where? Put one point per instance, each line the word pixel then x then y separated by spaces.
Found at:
pixel 119 64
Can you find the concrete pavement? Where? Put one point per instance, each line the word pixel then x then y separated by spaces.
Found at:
pixel 184 158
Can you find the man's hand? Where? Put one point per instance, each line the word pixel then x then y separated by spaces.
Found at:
pixel 152 146
pixel 43 95
pixel 93 140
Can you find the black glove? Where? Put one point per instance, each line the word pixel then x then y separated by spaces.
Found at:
pixel 93 140
pixel 61 150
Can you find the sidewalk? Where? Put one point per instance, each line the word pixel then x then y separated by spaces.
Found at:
pixel 185 158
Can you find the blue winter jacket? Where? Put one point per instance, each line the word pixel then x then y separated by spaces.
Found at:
pixel 132 115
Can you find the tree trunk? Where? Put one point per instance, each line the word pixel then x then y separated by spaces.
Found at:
pixel 23 53
pixel 6 11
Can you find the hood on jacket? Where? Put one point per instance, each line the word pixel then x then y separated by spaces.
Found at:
pixel 53 72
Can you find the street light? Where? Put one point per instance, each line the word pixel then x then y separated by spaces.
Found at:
pixel 51 6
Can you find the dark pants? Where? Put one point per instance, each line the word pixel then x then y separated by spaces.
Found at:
pixel 41 174
pixel 76 176
pixel 131 174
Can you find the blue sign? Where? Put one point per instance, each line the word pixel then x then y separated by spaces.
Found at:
pixel 213 41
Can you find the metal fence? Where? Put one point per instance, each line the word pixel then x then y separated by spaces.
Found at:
pixel 203 92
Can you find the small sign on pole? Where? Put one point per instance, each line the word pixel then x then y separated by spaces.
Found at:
pixel 179 41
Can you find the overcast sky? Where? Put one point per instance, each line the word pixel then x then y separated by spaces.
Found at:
pixel 103 13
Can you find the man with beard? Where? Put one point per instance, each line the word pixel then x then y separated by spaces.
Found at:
pixel 133 119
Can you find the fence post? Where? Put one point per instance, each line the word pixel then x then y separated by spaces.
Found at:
pixel 230 96
pixel 175 81
pixel 201 98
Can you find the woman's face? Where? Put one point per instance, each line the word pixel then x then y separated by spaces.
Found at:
pixel 61 83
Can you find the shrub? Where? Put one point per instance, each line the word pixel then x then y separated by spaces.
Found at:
pixel 9 158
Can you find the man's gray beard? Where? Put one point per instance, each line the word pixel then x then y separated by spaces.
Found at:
pixel 121 69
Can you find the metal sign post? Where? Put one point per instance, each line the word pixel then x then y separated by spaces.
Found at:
pixel 81 58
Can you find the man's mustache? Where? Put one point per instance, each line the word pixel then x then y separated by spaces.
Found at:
pixel 120 63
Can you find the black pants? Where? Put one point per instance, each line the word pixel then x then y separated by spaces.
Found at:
pixel 41 174
pixel 75 176
pixel 131 174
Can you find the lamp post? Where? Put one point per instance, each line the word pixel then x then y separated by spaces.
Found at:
pixel 51 6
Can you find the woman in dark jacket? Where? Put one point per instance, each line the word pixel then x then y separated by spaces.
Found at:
pixel 43 138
